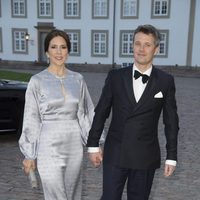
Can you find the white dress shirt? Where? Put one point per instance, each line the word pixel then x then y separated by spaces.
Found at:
pixel 138 85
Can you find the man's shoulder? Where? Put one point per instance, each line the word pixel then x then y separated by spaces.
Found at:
pixel 118 71
pixel 162 73
pixel 163 77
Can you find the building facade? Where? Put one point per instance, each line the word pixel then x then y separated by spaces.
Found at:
pixel 100 30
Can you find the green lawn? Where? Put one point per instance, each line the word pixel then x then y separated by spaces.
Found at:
pixel 10 75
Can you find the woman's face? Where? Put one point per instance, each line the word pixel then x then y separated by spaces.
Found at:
pixel 57 51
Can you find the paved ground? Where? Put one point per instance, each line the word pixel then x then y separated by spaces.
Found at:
pixel 183 185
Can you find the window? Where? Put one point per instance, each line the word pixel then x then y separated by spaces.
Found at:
pixel 19 41
pixel 163 52
pixel 126 64
pixel 74 36
pixel 100 8
pixel 72 8
pixel 99 43
pixel 19 8
pixel 160 8
pixel 129 8
pixel 45 8
pixel 126 42
pixel 1 40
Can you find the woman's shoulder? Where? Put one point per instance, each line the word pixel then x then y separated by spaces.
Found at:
pixel 38 77
pixel 75 75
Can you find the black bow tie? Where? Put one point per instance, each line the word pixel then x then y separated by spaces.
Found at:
pixel 145 77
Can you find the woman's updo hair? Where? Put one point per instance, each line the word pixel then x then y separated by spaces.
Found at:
pixel 55 33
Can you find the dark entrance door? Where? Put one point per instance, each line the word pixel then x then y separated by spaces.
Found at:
pixel 42 54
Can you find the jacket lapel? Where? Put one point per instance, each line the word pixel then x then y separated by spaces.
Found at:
pixel 128 83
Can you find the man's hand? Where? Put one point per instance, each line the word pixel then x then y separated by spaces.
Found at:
pixel 28 165
pixel 96 158
pixel 169 169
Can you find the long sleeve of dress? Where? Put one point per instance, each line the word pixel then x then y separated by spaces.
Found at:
pixel 85 112
pixel 31 122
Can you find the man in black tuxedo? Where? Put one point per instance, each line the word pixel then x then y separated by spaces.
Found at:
pixel 136 95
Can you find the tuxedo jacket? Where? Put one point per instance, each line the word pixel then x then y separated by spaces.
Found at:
pixel 132 139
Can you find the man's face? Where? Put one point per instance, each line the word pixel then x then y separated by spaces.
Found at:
pixel 144 49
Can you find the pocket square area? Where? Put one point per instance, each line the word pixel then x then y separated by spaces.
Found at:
pixel 158 95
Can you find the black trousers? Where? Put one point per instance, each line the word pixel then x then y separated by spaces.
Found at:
pixel 139 183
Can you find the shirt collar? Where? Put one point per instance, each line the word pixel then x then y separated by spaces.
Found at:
pixel 147 72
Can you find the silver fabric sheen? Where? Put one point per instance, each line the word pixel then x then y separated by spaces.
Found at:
pixel 57 117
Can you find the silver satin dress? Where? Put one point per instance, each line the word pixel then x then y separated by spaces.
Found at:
pixel 57 118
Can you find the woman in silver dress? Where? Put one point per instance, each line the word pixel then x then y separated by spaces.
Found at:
pixel 57 117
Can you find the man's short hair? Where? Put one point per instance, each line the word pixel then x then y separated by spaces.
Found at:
pixel 148 29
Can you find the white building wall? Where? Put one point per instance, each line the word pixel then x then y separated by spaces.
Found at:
pixel 87 24
pixel 177 24
pixel 25 23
